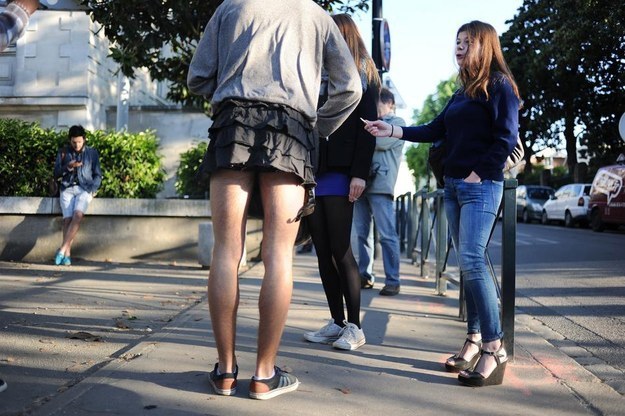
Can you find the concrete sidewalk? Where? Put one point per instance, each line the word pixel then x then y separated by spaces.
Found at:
pixel 398 372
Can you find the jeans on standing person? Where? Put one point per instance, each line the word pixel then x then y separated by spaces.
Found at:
pixel 382 208
pixel 471 210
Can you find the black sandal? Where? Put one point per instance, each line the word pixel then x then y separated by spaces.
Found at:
pixel 475 379
pixel 461 364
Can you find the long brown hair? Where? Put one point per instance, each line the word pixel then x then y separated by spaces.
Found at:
pixel 482 59
pixel 357 47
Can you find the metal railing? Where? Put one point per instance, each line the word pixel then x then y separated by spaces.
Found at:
pixel 422 227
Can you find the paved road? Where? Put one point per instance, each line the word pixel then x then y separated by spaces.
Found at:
pixel 572 280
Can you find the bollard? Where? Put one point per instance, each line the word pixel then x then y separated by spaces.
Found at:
pixel 206 241
pixel 508 264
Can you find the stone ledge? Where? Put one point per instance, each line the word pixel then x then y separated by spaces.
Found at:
pixel 110 207
pixel 113 229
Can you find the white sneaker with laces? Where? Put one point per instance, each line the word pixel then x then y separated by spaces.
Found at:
pixel 352 338
pixel 328 333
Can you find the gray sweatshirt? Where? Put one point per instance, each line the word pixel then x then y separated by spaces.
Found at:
pixel 273 51
pixel 386 160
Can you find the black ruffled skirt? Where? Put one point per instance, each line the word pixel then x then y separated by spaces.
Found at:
pixel 248 135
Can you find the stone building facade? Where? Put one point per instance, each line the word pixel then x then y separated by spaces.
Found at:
pixel 58 74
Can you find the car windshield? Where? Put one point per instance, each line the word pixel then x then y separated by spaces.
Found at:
pixel 539 194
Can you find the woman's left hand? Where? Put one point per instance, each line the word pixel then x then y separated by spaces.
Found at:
pixel 356 188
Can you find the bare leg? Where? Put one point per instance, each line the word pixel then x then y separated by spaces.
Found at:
pixel 70 231
pixel 282 197
pixel 230 191
pixel 66 223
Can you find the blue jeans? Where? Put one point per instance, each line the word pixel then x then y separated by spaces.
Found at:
pixel 378 207
pixel 471 210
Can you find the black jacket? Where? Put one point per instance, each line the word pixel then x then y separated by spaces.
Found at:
pixel 350 148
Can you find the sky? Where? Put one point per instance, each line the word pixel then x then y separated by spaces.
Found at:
pixel 423 36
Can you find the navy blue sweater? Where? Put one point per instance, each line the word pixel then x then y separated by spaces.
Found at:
pixel 479 134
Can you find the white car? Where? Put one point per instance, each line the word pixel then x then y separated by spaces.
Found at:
pixel 568 205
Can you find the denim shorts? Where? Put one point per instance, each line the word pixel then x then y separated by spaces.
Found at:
pixel 74 198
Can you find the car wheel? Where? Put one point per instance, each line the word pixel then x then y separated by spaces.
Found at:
pixel 544 218
pixel 595 221
pixel 525 216
pixel 568 219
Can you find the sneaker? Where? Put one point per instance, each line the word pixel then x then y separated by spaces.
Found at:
pixel 67 261
pixel 281 382
pixel 224 384
pixel 389 290
pixel 58 259
pixel 352 338
pixel 3 385
pixel 329 333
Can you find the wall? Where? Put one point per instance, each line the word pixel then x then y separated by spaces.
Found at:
pixel 117 230
pixel 59 74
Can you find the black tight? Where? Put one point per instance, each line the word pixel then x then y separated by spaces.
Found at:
pixel 330 227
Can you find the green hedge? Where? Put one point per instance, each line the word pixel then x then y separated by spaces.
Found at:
pixel 187 182
pixel 131 165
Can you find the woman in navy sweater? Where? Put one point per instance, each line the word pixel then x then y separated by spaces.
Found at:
pixel 479 125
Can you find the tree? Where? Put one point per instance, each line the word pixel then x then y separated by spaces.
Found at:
pixel 416 155
pixel 566 56
pixel 162 36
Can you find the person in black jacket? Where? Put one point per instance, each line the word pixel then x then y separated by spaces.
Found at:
pixel 344 163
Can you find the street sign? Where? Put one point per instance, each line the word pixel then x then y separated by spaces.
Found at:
pixel 621 127
pixel 381 50
pixel 385 45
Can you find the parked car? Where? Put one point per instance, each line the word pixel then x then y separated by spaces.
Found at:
pixel 606 207
pixel 530 200
pixel 568 205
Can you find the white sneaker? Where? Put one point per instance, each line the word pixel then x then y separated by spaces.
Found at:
pixel 352 338
pixel 3 385
pixel 329 333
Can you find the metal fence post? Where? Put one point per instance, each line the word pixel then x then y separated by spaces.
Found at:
pixel 508 263
pixel 441 244
pixel 425 234
pixel 410 227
